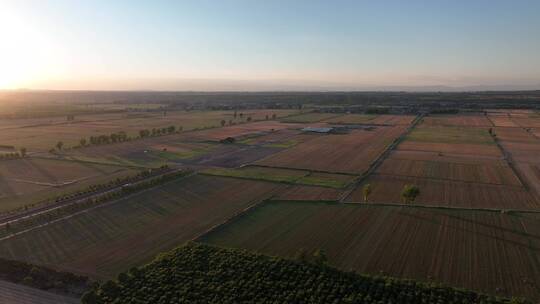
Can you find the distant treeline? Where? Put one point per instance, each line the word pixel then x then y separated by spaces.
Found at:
pixel 500 99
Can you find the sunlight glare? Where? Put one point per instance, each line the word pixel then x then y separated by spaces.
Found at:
pixel 26 55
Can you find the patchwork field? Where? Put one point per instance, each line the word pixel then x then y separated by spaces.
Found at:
pixel 44 136
pixel 29 180
pixel 18 294
pixel 310 117
pixel 484 251
pixel 104 241
pixel 357 150
pixel 285 176
pixel 496 172
pixel 447 193
pixel 502 121
pixel 351 119
pixel 151 152
pixel 458 120
pixel 238 131
pixel 450 135
pixel 393 119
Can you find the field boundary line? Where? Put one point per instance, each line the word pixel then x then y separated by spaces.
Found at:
pixel 234 217
pixel 295 183
pixel 299 169
pixel 379 160
pixel 450 180
pixel 510 161
pixel 401 205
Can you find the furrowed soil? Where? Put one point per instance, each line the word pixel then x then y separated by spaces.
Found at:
pixel 105 241
pixel 485 251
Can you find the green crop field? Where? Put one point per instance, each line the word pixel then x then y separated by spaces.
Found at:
pixel 449 135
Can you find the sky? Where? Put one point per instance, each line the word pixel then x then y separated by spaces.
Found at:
pixel 268 45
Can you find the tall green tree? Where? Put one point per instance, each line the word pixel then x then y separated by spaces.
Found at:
pixel 409 193
pixel 366 190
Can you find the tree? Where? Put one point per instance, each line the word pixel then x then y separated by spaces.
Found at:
pixel 249 119
pixel 301 255
pixel 223 122
pixel 409 193
pixel 23 152
pixel 319 257
pixel 59 145
pixel 83 142
pixel 241 115
pixel 367 191
pixel 171 129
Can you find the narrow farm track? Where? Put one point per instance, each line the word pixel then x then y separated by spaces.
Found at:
pixel 509 160
pixel 379 160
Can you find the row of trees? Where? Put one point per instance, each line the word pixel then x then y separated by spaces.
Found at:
pixel 408 193
pixel 117 137
pixel 14 155
pixel 159 131
pixel 197 273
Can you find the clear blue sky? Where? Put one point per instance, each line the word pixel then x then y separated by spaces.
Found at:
pixel 278 44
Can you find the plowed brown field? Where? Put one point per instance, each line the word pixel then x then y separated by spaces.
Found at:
pixel 459 121
pixel 471 149
pixel 485 251
pixel 497 172
pixel 105 241
pixel 387 189
pixel 348 153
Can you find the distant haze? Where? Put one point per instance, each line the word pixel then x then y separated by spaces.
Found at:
pixel 248 45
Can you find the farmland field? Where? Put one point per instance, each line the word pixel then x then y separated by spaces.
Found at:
pixel 29 180
pixel 351 119
pixel 356 151
pixel 151 152
pixel 450 135
pixel 497 172
pixel 393 119
pixel 310 117
pixel 44 136
pixel 104 241
pixel 18 294
pixel 458 121
pixel 284 175
pixel 447 193
pixel 484 251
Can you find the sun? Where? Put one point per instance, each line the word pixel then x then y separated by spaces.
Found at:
pixel 26 53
